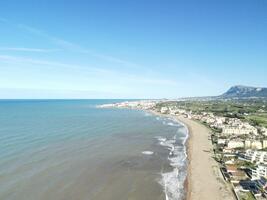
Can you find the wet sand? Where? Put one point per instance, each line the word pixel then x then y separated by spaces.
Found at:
pixel 204 180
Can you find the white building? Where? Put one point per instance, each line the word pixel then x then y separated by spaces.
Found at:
pixel 248 144
pixel 260 171
pixel 264 131
pixel 235 144
pixel 175 111
pixel 221 141
pixel 164 110
pixel 219 122
pixel 256 145
pixel 237 130
pixel 258 157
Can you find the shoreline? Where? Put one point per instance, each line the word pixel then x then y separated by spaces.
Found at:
pixel 186 181
pixel 203 180
pixel 203 176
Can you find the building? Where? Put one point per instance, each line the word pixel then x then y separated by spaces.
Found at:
pixel 231 168
pixel 239 130
pixel 221 141
pixel 260 171
pixel 254 156
pixel 235 174
pixel 238 176
pixel 247 144
pixel 164 110
pixel 256 145
pixel 262 183
pixel 227 150
pixel 264 131
pixel 235 144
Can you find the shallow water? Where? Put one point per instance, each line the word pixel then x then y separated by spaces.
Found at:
pixel 69 149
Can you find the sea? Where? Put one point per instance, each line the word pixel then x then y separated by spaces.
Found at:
pixel 73 150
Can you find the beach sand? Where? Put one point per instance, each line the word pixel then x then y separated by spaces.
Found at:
pixel 204 181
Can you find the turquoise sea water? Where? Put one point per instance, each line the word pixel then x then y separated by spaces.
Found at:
pixel 69 149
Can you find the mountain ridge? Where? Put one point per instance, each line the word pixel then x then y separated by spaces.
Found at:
pixel 241 91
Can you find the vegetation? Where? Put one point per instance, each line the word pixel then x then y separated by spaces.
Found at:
pixel 246 164
pixel 258 119
pixel 247 196
pixel 252 110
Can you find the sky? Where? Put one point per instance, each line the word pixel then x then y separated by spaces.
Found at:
pixel 131 49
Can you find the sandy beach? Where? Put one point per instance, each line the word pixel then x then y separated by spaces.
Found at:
pixel 204 180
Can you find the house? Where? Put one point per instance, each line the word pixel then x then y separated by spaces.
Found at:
pixel 164 110
pixel 230 162
pixel 262 183
pixel 239 130
pixel 260 171
pixel 228 150
pixel 264 144
pixel 256 145
pixel 235 144
pixel 231 168
pixel 247 144
pixel 238 176
pixel 264 131
pixel 221 141
pixel 254 156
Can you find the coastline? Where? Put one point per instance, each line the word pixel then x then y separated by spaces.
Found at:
pixel 203 180
pixel 185 183
pixel 203 176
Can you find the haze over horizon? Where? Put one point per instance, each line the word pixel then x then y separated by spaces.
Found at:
pixel 137 49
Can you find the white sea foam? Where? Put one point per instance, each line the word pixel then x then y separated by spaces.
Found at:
pixel 173 182
pixel 148 152
pixel 147 114
pixel 172 124
pixel 161 139
pixel 168 121
pixel 158 118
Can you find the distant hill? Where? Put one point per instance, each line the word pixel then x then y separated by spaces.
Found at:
pixel 241 91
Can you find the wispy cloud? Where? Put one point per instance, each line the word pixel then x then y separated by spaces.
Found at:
pixel 71 46
pixel 23 49
pixel 103 72
pixel 120 77
pixel 30 61
pixel 115 60
pixel 67 45
pixel 58 41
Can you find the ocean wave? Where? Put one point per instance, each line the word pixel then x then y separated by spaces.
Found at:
pixel 173 181
pixel 147 114
pixel 172 124
pixel 158 118
pixel 169 122
pixel 171 184
pixel 148 152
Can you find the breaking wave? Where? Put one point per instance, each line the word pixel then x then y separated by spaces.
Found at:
pixel 148 152
pixel 173 181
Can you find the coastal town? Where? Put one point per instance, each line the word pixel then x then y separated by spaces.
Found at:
pixel 239 146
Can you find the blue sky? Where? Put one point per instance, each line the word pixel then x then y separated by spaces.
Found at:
pixel 131 49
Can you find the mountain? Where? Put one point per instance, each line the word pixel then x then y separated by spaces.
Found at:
pixel 241 91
